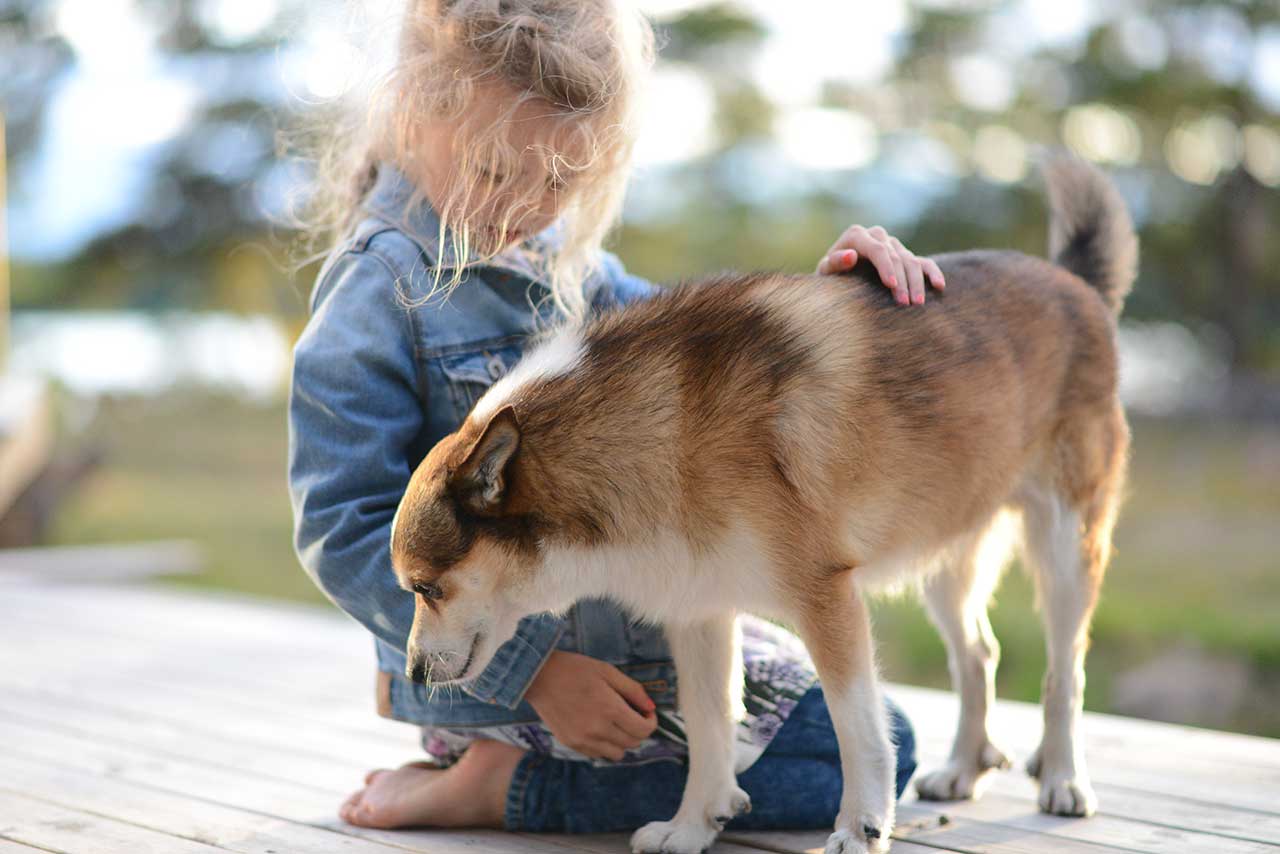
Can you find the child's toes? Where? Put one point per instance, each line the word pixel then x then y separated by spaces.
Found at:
pixel 348 808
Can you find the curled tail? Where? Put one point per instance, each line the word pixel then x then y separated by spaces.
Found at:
pixel 1090 232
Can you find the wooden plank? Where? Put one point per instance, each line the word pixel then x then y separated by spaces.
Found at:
pixel 96 746
pixel 211 676
pixel 308 647
pixel 1151 809
pixel 814 842
pixel 809 842
pixel 174 814
pixel 181 617
pixel 236 788
pixel 157 669
pixel 956 835
pixel 169 684
pixel 616 843
pixel 239 789
pixel 10 847
pixel 56 828
pixel 178 714
pixel 260 628
pixel 1102 829
pixel 1181 813
pixel 1245 787
pixel 337 689
pixel 338 774
pixel 1240 771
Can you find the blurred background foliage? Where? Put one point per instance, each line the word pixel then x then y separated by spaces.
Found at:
pixel 152 181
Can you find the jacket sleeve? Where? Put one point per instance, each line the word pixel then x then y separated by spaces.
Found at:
pixel 621 287
pixel 356 409
pixel 354 412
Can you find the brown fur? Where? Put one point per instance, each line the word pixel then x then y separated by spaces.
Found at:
pixel 923 419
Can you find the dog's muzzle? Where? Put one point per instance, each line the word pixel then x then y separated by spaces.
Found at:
pixel 416 668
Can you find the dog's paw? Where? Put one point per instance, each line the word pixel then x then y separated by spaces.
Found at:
pixel 1067 794
pixel 733 802
pixel 669 837
pixel 958 779
pixel 868 839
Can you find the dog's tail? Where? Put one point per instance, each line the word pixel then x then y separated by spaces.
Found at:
pixel 1090 232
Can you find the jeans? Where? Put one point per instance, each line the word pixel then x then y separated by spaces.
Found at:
pixel 794 785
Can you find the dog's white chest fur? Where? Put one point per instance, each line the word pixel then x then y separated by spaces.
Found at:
pixel 664 579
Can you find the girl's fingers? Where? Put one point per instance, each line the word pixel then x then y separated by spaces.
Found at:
pixel 627 738
pixel 882 259
pixel 898 276
pixel 915 281
pixel 604 750
pixel 934 272
pixel 632 723
pixel 837 261
pixel 630 690
pixel 915 272
pixel 903 291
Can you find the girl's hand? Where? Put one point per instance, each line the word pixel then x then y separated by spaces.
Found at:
pixel 591 706
pixel 899 269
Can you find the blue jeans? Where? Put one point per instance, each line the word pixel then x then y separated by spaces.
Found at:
pixel 794 785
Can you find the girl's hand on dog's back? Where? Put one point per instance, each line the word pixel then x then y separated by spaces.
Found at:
pixel 900 270
pixel 591 706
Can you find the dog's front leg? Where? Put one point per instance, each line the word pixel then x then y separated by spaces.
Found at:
pixel 835 627
pixel 708 659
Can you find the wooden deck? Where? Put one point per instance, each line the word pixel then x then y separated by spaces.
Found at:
pixel 136 720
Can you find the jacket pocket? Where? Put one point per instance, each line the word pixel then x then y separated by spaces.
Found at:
pixel 469 375
pixel 658 679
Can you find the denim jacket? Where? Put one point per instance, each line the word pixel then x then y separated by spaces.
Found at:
pixel 376 383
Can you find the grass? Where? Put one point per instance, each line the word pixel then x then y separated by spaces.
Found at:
pixel 1197 561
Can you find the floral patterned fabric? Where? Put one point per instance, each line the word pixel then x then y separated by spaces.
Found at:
pixel 778 672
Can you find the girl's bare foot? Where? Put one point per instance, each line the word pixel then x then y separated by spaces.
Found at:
pixel 470 793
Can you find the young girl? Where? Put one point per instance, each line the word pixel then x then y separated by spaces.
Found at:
pixel 480 194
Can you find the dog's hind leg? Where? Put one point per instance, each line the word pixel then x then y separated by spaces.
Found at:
pixel 834 625
pixel 1068 542
pixel 708 658
pixel 956 599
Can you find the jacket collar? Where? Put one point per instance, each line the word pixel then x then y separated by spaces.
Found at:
pixel 394 200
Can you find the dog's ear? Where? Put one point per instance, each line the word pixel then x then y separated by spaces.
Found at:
pixel 480 483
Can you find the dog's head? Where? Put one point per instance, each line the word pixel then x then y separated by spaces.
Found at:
pixel 464 541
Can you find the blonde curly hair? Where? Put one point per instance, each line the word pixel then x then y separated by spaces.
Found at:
pixel 582 62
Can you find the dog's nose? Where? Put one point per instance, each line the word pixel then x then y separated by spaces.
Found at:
pixel 418 672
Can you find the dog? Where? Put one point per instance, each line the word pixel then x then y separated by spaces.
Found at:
pixel 783 444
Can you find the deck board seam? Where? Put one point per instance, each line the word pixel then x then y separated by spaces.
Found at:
pixel 190 796
pixel 129 716
pixel 336 830
pixel 145 749
pixel 116 819
pixel 32 847
pixel 1197 801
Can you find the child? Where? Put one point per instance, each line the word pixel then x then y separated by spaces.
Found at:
pixel 490 174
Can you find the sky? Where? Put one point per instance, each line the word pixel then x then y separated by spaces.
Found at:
pixel 123 101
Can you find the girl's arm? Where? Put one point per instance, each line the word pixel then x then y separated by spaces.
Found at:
pixel 355 415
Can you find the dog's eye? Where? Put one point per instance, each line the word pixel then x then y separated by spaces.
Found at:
pixel 429 591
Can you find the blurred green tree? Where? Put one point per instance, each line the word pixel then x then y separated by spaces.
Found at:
pixel 1173 96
